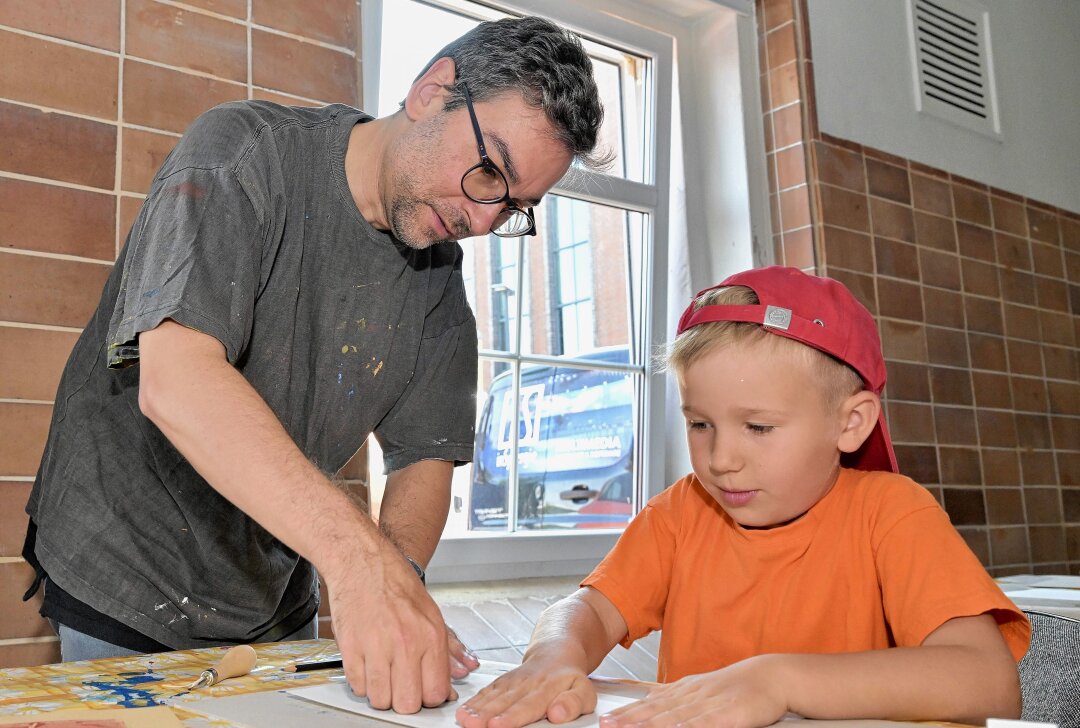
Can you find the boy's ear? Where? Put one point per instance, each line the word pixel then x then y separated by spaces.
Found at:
pixel 428 93
pixel 860 414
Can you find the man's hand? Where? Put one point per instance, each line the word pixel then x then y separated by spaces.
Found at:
pixel 392 637
pixel 538 689
pixel 746 694
pixel 462 660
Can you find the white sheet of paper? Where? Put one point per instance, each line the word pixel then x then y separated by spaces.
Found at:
pixel 1066 596
pixel 338 695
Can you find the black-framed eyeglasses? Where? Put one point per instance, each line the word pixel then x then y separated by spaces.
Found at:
pixel 485 183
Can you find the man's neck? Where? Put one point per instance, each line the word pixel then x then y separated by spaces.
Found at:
pixel 365 169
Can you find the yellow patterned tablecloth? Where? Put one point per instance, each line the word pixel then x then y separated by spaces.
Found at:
pixel 156 679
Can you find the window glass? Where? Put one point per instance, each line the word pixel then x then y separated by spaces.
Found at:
pixel 579 387
pixel 413 32
pixel 574 430
pixel 494 290
pixel 622 83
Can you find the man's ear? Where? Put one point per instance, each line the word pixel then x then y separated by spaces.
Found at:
pixel 428 93
pixel 859 414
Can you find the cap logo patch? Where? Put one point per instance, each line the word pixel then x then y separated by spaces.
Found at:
pixel 777 318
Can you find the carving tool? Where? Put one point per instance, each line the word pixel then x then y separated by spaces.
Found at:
pixel 239 660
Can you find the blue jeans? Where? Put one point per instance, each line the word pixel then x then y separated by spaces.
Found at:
pixel 75 645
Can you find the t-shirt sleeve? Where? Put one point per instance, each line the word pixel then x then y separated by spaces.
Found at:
pixel 929 576
pixel 635 576
pixel 193 256
pixel 435 418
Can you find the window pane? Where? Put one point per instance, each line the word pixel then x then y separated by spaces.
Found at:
pixel 412 32
pixel 575 448
pixel 491 285
pixel 565 294
pixel 574 421
pixel 608 77
pixel 584 265
pixel 571 333
pixel 578 288
pixel 621 80
pixel 464 510
pixel 593 253
pixel 583 272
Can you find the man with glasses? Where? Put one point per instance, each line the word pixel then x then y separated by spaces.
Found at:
pixel 291 285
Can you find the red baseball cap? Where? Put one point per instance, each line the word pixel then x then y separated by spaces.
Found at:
pixel 819 312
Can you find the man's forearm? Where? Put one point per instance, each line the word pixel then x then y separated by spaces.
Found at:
pixel 233 439
pixel 415 506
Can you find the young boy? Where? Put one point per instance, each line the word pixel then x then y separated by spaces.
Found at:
pixel 794 570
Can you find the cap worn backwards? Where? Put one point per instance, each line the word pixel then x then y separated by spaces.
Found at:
pixel 819 312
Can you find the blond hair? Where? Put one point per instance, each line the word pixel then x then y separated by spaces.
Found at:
pixel 838 380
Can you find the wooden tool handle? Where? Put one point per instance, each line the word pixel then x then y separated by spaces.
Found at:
pixel 239 660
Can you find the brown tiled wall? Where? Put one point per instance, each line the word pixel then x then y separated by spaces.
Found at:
pixel 786 133
pixel 977 295
pixel 93 95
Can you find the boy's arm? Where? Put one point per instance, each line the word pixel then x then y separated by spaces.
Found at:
pixel 570 640
pixel 963 672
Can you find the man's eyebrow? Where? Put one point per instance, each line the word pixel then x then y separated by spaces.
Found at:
pixel 508 166
pixel 507 158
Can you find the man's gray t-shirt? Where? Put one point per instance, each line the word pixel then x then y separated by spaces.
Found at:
pixel 249 234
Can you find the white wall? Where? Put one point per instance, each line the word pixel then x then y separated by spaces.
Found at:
pixel 725 198
pixel 720 227
pixel 724 224
pixel 866 93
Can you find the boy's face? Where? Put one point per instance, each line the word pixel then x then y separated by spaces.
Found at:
pixel 763 441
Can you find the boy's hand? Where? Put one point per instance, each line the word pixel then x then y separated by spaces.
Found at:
pixel 528 694
pixel 746 694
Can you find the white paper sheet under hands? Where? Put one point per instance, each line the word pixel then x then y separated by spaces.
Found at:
pixel 337 694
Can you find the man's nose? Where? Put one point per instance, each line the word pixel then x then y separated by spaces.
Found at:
pixel 482 217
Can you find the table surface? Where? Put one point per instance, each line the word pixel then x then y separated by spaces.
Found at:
pixel 1051 593
pixel 162 679
pixel 155 679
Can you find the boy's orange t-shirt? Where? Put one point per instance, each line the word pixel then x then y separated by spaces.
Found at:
pixel 874 564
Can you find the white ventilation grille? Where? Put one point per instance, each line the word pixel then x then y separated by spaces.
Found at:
pixel 953 73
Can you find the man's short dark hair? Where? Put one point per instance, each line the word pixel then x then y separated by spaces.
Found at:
pixel 544 63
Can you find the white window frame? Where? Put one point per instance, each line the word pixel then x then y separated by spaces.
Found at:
pixel 641 30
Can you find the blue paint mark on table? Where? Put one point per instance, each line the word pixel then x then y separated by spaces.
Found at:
pixel 127 690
